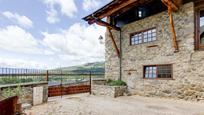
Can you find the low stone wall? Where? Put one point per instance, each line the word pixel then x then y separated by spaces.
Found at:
pixel 99 88
pixel 26 91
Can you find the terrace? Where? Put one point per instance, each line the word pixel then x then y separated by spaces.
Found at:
pixel 33 87
pixel 63 103
pixel 85 104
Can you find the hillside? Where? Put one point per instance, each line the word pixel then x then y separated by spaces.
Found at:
pixel 96 67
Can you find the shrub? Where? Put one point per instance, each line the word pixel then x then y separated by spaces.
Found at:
pixel 116 83
pixel 9 92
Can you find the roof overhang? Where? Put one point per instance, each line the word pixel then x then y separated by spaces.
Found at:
pixel 113 7
pixel 118 6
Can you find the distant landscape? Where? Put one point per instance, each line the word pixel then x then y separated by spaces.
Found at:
pixel 95 67
pixel 67 74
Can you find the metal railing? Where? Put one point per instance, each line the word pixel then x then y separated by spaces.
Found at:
pixel 14 76
pixel 65 77
pixel 53 77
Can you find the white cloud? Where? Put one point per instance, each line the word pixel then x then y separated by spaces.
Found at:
pixel 21 63
pixel 48 52
pixel 22 21
pixel 15 39
pixel 91 4
pixel 52 16
pixel 67 8
pixel 77 43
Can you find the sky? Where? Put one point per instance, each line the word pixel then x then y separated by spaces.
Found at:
pixel 45 34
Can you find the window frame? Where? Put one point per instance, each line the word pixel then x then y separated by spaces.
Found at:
pixel 199 6
pixel 157 78
pixel 141 32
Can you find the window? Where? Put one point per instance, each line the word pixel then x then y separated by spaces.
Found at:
pixel 140 14
pixel 201 41
pixel 143 37
pixel 158 71
pixel 199 25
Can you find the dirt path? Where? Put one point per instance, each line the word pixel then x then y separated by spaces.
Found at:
pixel 85 104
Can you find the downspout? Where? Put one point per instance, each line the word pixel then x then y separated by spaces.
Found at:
pixel 120 77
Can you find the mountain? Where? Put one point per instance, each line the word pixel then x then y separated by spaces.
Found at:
pixel 96 67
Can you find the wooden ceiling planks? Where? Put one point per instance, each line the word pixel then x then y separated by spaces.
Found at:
pixel 116 8
pixel 139 2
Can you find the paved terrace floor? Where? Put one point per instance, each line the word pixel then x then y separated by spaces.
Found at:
pixel 84 104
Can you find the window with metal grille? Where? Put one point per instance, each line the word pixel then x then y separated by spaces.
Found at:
pixel 158 71
pixel 143 36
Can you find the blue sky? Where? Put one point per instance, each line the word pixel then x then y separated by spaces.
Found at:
pixel 49 33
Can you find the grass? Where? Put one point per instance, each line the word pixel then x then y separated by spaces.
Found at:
pixel 16 80
pixel 116 83
pixel 9 92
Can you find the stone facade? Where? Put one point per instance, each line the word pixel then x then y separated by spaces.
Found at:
pixel 188 64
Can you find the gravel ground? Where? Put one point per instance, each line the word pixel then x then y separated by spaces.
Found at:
pixel 84 104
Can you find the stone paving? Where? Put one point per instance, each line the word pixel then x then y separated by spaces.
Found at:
pixel 85 104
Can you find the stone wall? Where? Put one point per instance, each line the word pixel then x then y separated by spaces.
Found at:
pixel 112 62
pixel 26 92
pixel 98 87
pixel 111 91
pixel 188 64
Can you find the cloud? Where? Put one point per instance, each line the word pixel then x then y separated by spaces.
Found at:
pixel 16 39
pixel 21 63
pixel 77 43
pixel 52 16
pixel 22 21
pixel 72 46
pixel 91 4
pixel 67 8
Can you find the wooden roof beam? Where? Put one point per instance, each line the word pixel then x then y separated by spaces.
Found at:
pixel 114 43
pixel 117 8
pixel 172 7
pixel 103 23
pixel 110 9
pixel 170 3
pixel 175 43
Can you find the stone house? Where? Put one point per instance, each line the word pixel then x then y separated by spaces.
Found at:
pixel 155 46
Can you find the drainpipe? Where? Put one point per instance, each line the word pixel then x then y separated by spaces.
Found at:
pixel 120 78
